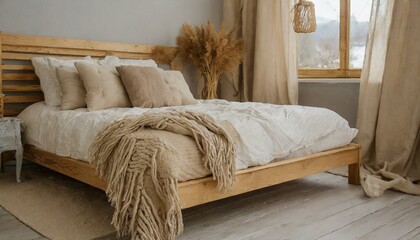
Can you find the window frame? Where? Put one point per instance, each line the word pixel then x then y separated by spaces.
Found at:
pixel 344 47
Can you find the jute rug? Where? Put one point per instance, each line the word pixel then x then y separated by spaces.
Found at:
pixel 56 206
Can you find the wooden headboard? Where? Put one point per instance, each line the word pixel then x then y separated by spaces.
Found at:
pixel 18 81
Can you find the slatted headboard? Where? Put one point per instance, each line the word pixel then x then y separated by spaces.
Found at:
pixel 17 79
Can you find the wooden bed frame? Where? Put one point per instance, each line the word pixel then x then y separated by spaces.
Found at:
pixel 21 88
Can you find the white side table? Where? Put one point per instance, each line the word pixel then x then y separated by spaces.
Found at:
pixel 10 140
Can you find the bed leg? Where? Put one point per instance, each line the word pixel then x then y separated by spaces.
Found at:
pixel 354 174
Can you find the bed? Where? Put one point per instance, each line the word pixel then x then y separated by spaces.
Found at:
pixel 21 88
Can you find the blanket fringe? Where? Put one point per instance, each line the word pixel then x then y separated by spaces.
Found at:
pixel 141 186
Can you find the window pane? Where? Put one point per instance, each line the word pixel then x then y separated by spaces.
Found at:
pixel 320 49
pixel 359 27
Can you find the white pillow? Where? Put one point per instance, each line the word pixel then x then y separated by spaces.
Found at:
pixel 116 61
pixel 45 69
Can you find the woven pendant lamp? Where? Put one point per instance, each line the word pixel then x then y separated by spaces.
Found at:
pixel 304 20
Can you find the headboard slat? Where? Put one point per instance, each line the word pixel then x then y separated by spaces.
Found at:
pixel 23 99
pixel 17 78
pixel 22 88
pixel 41 41
pixel 52 51
pixel 12 111
pixel 18 67
pixel 29 56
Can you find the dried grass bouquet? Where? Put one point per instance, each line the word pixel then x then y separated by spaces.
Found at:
pixel 213 53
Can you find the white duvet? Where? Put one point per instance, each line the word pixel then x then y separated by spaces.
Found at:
pixel 266 132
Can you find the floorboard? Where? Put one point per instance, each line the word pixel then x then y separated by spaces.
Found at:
pixel 12 229
pixel 322 206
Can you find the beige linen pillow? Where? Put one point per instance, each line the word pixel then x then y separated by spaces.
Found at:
pixel 73 92
pixel 179 87
pixel 146 87
pixel 104 88
pixel 45 69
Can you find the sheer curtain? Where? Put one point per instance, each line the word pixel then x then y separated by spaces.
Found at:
pixel 389 103
pixel 269 71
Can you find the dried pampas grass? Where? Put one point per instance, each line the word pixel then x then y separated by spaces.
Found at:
pixel 163 54
pixel 213 53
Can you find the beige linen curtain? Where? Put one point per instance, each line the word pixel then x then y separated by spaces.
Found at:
pixel 269 71
pixel 389 103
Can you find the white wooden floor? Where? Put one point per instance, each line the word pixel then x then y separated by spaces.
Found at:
pixel 12 229
pixel 322 206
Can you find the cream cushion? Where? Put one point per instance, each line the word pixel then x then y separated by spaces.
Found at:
pixel 146 87
pixel 73 92
pixel 116 61
pixel 45 69
pixel 179 87
pixel 104 88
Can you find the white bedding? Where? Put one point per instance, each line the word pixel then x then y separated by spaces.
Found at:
pixel 266 132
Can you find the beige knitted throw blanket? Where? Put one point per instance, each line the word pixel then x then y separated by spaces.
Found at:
pixel 138 167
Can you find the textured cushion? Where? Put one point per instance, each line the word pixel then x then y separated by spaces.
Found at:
pixel 179 87
pixel 103 87
pixel 45 69
pixel 146 87
pixel 73 92
pixel 116 61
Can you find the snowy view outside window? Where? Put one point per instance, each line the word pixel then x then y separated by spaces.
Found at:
pixel 321 49
pixel 359 27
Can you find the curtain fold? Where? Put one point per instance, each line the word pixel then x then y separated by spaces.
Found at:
pixel 269 71
pixel 389 102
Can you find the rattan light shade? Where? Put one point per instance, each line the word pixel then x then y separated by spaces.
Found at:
pixel 304 20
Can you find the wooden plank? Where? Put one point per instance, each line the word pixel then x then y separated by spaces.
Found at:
pixel 21 88
pixel 337 207
pixel 398 227
pixel 53 51
pixel 20 76
pixel 363 226
pixel 354 174
pixel 124 55
pixel 29 56
pixel 23 99
pixel 12 111
pixel 74 52
pixel 259 177
pixel 412 235
pixel 344 33
pixel 328 73
pixel 319 204
pixel 11 228
pixel 18 67
pixel 77 169
pixel 41 41
pixel 196 192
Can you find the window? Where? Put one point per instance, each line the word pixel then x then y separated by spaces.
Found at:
pixel 337 48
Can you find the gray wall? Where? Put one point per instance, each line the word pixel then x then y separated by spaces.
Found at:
pixel 340 96
pixel 156 22
pixel 147 22
pixel 132 21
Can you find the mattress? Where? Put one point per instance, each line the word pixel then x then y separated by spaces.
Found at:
pixel 266 132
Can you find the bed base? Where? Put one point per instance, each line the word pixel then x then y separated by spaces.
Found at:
pixel 200 191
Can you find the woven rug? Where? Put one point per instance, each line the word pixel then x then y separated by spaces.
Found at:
pixel 56 206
